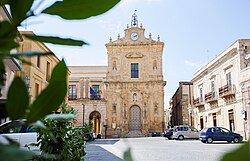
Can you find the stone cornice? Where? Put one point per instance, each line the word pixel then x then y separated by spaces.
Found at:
pixel 210 67
pixel 132 55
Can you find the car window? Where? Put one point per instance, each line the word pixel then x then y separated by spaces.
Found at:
pixel 194 129
pixel 216 129
pixel 185 128
pixel 11 129
pixel 225 130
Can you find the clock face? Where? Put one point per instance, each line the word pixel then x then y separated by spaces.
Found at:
pixel 134 36
pixel 247 56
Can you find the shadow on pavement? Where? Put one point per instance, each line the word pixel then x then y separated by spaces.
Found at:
pixel 103 141
pixel 97 153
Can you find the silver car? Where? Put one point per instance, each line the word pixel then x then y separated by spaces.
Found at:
pixel 185 132
pixel 18 132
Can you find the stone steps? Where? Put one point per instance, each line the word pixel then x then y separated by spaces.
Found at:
pixel 134 134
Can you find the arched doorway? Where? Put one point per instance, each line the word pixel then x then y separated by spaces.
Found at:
pixel 135 118
pixel 95 117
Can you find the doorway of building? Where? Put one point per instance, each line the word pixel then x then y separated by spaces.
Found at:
pixel 95 118
pixel 231 120
pixel 201 122
pixel 135 119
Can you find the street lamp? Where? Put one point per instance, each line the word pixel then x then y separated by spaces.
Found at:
pixel 189 114
pixel 27 82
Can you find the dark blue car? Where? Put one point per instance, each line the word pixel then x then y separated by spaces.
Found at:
pixel 208 135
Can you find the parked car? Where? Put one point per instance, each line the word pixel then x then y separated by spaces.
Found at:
pixel 185 132
pixel 168 133
pixel 19 132
pixel 208 135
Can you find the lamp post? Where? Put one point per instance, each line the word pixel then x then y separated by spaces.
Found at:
pixel 27 82
pixel 189 114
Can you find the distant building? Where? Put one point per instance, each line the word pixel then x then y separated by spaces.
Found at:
pixel 181 105
pixel 222 90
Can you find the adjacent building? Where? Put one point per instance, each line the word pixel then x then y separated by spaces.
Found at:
pixel 222 90
pixel 181 105
pixel 87 95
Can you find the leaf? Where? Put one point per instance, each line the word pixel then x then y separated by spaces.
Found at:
pixel 60 116
pixel 80 9
pixel 127 155
pixel 7 44
pixel 55 40
pixel 32 53
pixel 18 99
pixel 242 153
pixel 3 2
pixel 39 124
pixel 13 153
pixel 19 10
pixel 52 96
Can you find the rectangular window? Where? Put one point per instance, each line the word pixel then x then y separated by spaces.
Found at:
pixel 72 92
pixel 95 88
pixel 212 89
pixel 48 71
pixel 134 70
pixel 38 61
pixel 229 81
pixel 201 95
pixel 231 120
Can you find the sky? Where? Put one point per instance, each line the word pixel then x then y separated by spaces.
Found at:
pixel 194 32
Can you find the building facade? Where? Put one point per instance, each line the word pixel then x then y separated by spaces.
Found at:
pixel 222 90
pixel 38 74
pixel 87 95
pixel 181 105
pixel 135 86
pixel 126 98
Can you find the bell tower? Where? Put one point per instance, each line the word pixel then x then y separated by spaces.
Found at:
pixel 135 85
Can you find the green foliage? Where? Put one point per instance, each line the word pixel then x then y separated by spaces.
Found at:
pixel 60 139
pixel 20 14
pixel 81 8
pixel 52 96
pixel 14 153
pixel 18 99
pixel 127 155
pixel 56 40
pixel 242 153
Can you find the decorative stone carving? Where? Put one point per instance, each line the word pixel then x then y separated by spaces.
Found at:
pixel 132 55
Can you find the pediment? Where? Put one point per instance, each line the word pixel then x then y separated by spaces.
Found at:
pixel 134 55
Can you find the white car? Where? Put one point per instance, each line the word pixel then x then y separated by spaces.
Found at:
pixel 185 132
pixel 19 132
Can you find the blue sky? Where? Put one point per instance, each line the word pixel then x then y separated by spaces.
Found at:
pixel 194 32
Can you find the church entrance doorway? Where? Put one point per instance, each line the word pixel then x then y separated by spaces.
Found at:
pixel 135 119
pixel 95 118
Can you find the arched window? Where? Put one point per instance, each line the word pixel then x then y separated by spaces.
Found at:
pixel 134 97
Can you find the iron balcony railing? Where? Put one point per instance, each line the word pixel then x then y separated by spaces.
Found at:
pixel 227 90
pixel 210 97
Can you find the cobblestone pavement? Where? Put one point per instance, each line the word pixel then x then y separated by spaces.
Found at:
pixel 156 149
pixel 95 151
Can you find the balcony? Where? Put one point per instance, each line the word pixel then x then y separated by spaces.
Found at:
pixel 227 90
pixel 211 97
pixel 95 96
pixel 72 97
pixel 198 102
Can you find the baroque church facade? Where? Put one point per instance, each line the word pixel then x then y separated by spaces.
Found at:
pixel 128 100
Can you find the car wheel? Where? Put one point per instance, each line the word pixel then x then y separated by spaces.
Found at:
pixel 180 137
pixel 236 140
pixel 209 140
pixel 229 141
